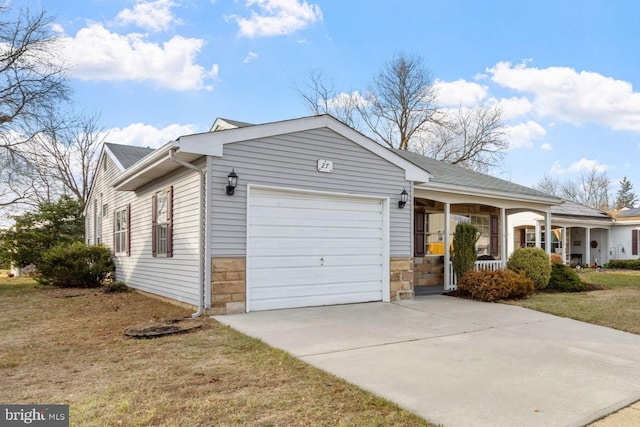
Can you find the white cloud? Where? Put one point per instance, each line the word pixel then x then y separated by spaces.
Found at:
pixel 514 107
pixel 459 93
pixel 142 135
pixel 153 16
pixel 574 97
pixel 95 53
pixel 546 147
pixel 345 100
pixel 277 17
pixel 522 135
pixel 250 57
pixel 581 166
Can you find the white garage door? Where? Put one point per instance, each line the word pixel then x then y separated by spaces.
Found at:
pixel 313 249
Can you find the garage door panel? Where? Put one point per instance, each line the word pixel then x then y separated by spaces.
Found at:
pixel 316 232
pixel 303 243
pixel 280 303
pixel 292 250
pixel 310 275
pixel 313 249
pixel 297 291
pixel 294 260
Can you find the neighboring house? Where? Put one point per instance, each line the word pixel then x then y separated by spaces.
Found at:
pixel 579 234
pixel 295 213
pixel 625 234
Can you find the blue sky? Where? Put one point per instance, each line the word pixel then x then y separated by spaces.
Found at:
pixel 564 72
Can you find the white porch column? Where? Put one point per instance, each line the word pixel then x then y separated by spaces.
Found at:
pixel 587 246
pixel 447 253
pixel 564 245
pixel 503 233
pixel 538 238
pixel 547 232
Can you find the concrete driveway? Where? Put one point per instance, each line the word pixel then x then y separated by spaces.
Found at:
pixel 463 363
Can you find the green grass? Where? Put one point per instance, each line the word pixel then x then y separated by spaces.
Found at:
pixel 617 306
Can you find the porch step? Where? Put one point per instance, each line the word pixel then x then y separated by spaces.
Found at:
pixel 428 290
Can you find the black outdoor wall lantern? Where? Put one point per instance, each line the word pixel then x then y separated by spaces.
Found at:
pixel 404 197
pixel 232 182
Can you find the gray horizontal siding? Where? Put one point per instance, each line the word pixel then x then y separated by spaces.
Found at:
pixel 290 161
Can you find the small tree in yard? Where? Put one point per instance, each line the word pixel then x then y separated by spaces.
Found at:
pixel 464 248
pixel 36 232
pixel 533 263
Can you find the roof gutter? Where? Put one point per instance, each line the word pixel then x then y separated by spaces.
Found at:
pixel 203 220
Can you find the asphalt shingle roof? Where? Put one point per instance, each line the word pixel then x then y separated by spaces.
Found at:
pixel 446 173
pixel 128 155
pixel 629 213
pixel 569 208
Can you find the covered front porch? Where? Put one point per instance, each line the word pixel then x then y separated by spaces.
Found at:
pixel 436 215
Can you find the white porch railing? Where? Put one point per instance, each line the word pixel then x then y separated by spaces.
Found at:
pixel 491 265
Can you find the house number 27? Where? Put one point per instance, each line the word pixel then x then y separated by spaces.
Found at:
pixel 325 166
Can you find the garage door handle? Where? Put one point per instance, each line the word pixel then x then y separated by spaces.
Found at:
pixel 322 261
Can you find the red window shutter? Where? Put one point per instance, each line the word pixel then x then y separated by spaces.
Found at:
pixel 418 230
pixel 494 238
pixel 170 222
pixel 154 219
pixel 128 230
pixel 634 242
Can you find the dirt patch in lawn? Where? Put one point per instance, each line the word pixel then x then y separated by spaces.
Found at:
pixel 72 350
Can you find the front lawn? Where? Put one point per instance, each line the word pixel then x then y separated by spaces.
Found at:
pixel 67 346
pixel 617 306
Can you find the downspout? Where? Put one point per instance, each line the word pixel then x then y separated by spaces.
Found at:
pixel 203 219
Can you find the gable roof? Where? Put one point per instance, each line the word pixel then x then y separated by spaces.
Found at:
pixel 447 176
pixel 125 156
pixel 190 147
pixel 225 124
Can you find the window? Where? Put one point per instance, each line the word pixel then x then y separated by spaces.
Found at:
pixel 433 232
pixel 105 210
pixel 162 223
pixel 121 227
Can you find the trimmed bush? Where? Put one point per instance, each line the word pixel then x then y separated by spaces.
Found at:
pixel 464 254
pixel 565 279
pixel 75 266
pixel 556 259
pixel 627 264
pixel 533 263
pixel 492 286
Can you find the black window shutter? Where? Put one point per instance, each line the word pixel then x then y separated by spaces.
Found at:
pixel 523 237
pixel 494 238
pixel 634 242
pixel 418 230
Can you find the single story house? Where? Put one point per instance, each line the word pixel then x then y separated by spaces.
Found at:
pixel 580 234
pixel 293 213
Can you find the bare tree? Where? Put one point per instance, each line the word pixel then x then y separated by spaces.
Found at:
pixel 400 110
pixel 549 185
pixel 401 101
pixel 61 159
pixel 589 189
pixel 474 138
pixel 31 74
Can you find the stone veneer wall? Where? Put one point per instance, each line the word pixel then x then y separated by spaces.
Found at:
pixel 429 271
pixel 401 270
pixel 228 285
